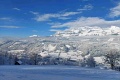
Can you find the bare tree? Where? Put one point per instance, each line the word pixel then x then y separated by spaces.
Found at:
pixel 35 58
pixel 90 62
pixel 112 57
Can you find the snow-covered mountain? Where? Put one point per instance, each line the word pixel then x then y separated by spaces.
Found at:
pixel 89 31
pixel 73 48
pixel 81 44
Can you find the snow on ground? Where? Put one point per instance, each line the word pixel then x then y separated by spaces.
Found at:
pixel 56 73
pixel 99 60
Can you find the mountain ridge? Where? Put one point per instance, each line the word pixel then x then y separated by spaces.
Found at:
pixel 89 31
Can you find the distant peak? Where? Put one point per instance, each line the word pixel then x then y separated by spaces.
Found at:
pixel 89 31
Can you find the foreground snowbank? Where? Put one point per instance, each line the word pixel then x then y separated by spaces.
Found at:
pixel 55 73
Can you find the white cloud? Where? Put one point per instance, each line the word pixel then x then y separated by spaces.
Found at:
pixel 5 18
pixel 9 27
pixel 86 7
pixel 16 9
pixel 90 21
pixel 69 13
pixel 45 17
pixel 115 12
pixel 54 30
pixel 55 25
pixel 35 13
pixel 63 16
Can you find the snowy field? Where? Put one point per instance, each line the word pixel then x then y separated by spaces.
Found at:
pixel 55 73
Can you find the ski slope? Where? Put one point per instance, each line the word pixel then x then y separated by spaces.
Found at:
pixel 56 73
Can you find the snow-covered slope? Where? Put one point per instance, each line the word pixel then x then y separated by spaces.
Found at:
pixel 55 73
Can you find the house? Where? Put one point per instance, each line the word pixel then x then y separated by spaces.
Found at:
pixel 18 62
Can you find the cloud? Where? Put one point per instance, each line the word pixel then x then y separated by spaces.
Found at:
pixel 54 30
pixel 88 21
pixel 69 13
pixel 55 25
pixel 115 11
pixel 35 13
pixel 45 17
pixel 5 18
pixel 63 16
pixel 86 7
pixel 9 27
pixel 16 9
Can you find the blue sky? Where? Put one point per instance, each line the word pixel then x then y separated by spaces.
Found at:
pixel 22 18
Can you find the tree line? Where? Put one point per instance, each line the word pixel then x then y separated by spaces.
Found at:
pixel 111 58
